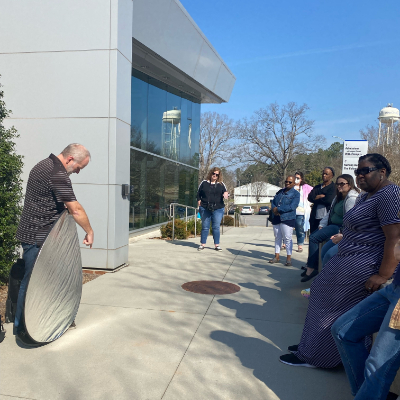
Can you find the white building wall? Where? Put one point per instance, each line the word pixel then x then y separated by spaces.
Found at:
pixel 66 75
pixel 245 195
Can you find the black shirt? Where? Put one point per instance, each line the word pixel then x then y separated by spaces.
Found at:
pixel 211 193
pixel 329 192
pixel 48 188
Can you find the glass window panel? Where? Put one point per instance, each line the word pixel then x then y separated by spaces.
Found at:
pixel 195 134
pixel 172 127
pixel 164 122
pixel 139 113
pixel 157 106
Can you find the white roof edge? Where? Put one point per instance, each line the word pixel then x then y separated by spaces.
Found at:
pixel 179 4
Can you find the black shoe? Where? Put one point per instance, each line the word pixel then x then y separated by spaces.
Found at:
pixel 295 347
pixel 72 326
pixel 23 338
pixel 303 267
pixel 308 277
pixel 391 396
pixel 303 273
pixel 291 359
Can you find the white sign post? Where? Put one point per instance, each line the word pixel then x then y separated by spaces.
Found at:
pixel 352 151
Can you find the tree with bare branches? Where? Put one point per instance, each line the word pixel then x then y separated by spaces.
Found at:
pixel 216 134
pixel 275 135
pixel 259 187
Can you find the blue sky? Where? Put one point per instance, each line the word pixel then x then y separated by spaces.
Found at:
pixel 342 58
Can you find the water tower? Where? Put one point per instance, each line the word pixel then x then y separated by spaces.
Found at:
pixel 388 116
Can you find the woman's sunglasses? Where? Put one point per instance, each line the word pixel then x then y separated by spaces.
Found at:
pixel 364 171
pixel 215 174
pixel 288 181
pixel 341 184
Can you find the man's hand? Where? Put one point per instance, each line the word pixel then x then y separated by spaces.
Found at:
pixel 199 203
pixel 320 196
pixel 88 240
pixel 374 282
pixel 337 238
pixel 275 211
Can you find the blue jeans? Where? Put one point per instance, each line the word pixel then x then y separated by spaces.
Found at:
pixel 208 218
pixel 370 374
pixel 316 238
pixel 329 249
pixel 300 230
pixel 30 253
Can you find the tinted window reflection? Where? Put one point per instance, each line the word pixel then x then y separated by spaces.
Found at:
pixel 164 120
pixel 139 113
pixel 157 183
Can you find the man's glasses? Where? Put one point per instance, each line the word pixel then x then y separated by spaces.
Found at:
pixel 288 181
pixel 341 184
pixel 215 174
pixel 364 171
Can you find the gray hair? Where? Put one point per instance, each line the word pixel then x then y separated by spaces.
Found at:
pixel 76 150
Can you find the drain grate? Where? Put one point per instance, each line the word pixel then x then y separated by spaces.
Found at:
pixel 210 287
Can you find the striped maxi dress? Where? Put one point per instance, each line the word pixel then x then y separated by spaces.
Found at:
pixel 341 283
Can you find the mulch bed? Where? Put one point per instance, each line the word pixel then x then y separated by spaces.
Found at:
pixel 4 291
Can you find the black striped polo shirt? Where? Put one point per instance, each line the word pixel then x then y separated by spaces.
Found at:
pixel 48 188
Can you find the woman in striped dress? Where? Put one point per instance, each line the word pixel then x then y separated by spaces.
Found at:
pixel 364 262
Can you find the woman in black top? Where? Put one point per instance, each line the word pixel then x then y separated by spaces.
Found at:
pixel 210 199
pixel 322 196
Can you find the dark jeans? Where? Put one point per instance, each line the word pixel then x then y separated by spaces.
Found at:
pixel 300 230
pixel 316 238
pixel 370 373
pixel 208 218
pixel 329 249
pixel 30 253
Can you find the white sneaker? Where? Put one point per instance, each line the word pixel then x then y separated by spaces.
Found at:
pixel 201 247
pixel 218 248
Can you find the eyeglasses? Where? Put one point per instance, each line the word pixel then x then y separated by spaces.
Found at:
pixel 215 174
pixel 288 181
pixel 341 184
pixel 364 171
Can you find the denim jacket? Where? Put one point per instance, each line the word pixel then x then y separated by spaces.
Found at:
pixel 286 202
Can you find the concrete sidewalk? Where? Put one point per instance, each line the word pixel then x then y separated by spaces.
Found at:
pixel 141 336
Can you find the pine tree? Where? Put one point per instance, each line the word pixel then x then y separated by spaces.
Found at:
pixel 10 194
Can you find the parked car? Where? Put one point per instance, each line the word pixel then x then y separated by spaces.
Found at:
pixel 247 210
pixel 263 210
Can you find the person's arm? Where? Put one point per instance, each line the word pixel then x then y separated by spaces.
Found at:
pixel 389 262
pixel 329 195
pixel 198 194
pixel 313 194
pixel 324 221
pixel 349 203
pixel 225 193
pixel 81 218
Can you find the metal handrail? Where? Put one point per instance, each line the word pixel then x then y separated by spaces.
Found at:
pixel 172 215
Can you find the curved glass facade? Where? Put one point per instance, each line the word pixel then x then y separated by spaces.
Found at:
pixel 165 127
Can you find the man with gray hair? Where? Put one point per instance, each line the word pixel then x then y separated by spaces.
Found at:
pixel 48 192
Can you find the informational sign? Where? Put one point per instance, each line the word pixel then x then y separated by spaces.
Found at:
pixel 352 151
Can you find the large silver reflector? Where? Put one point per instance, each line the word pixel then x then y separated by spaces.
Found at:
pixel 55 286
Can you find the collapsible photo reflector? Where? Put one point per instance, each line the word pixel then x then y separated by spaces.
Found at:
pixel 55 286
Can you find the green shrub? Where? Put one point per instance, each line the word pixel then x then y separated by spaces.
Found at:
pixel 228 220
pixel 190 227
pixel 10 194
pixel 180 230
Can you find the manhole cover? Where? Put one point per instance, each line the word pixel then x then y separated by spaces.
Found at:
pixel 210 287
